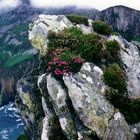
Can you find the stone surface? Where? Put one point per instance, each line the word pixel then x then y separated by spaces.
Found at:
pixel 59 97
pixel 130 58
pixel 92 107
pixel 30 108
pixel 123 19
pixel 42 25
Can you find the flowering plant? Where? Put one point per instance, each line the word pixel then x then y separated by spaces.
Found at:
pixel 63 62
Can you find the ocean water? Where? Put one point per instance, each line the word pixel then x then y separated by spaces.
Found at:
pixel 11 126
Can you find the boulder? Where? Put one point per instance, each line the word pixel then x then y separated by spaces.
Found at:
pixel 41 26
pixel 86 91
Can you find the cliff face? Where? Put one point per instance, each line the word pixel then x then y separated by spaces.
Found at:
pixel 123 19
pixel 76 106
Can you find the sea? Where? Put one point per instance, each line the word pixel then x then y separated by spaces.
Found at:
pixel 11 125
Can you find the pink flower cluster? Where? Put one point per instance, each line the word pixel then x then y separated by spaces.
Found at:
pixel 77 60
pixel 58 67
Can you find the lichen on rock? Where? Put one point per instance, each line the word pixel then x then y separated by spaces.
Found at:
pixel 42 25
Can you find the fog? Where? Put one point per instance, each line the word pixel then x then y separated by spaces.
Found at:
pixel 6 5
pixel 98 4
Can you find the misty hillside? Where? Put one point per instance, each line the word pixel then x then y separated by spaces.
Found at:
pixel 15 49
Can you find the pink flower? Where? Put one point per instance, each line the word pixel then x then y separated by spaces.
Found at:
pixel 56 59
pixel 56 72
pixel 64 63
pixel 77 60
pixel 49 68
pixel 50 63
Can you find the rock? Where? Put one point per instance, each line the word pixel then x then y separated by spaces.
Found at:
pixel 92 107
pixel 24 91
pixel 51 125
pixel 123 19
pixel 6 89
pixel 9 77
pixel 85 29
pixel 130 58
pixel 59 99
pixel 42 25
pixel 118 129
pixel 30 108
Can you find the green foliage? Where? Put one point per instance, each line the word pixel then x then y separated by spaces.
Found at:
pixel 115 33
pixel 91 48
pixel 66 55
pixel 136 38
pixel 19 28
pixel 102 27
pixel 23 137
pixel 3 57
pixel 69 38
pixel 78 19
pixel 129 108
pixel 128 35
pixel 62 61
pixel 14 60
pixel 111 51
pixel 75 61
pixel 72 42
pixel 114 78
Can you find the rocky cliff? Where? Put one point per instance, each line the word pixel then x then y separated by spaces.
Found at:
pixel 123 19
pixel 98 100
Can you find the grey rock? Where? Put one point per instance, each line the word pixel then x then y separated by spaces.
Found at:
pixel 59 97
pixel 124 19
pixel 40 27
pixel 92 107
pixel 51 125
pixel 130 58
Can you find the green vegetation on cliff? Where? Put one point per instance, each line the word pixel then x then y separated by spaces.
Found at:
pixel 69 48
pixel 23 137
pixel 17 59
pixel 78 19
pixel 114 78
pixel 102 27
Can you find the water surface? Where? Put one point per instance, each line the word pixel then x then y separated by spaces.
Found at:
pixel 11 126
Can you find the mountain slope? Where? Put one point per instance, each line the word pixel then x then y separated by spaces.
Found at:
pixel 123 19
pixel 15 49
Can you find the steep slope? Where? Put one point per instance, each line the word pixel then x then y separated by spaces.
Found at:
pixel 123 19
pixel 15 49
pixel 98 100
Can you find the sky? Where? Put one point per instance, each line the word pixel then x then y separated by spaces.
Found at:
pixel 97 4
pixel 8 4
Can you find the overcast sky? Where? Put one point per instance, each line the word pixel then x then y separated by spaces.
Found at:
pixel 8 4
pixel 98 4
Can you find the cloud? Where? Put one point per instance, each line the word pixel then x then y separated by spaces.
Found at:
pixel 6 5
pixel 98 4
